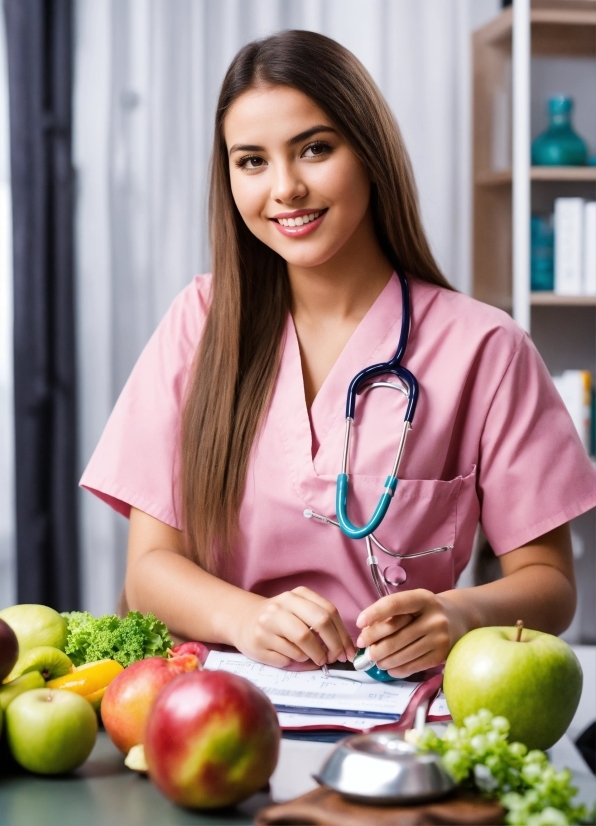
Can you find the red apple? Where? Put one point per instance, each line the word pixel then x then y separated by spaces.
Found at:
pixel 9 649
pixel 212 740
pixel 197 648
pixel 128 698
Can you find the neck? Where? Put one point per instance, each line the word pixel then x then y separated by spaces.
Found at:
pixel 345 286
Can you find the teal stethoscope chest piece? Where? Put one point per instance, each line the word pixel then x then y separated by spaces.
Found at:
pixel 363 662
pixel 393 575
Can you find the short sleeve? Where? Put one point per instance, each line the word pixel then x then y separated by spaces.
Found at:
pixel 136 462
pixel 534 473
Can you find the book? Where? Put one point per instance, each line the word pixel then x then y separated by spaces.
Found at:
pixel 575 388
pixel 569 219
pixel 589 252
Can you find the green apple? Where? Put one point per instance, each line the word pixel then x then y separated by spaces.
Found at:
pixel 535 683
pixel 50 662
pixel 27 682
pixel 36 625
pixel 50 731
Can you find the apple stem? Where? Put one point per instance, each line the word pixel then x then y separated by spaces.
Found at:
pixel 520 627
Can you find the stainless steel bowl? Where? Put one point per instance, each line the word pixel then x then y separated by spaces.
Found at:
pixel 383 768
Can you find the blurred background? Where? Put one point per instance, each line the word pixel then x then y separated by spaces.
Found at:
pixel 106 117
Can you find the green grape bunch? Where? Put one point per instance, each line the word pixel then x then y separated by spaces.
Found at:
pixel 479 755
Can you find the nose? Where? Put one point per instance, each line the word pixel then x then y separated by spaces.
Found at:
pixel 287 185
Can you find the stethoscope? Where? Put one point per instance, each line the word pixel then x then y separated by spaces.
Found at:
pixel 393 575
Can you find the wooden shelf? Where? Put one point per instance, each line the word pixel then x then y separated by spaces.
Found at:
pixel 555 30
pixel 546 299
pixel 558 28
pixel 563 173
pixel 540 173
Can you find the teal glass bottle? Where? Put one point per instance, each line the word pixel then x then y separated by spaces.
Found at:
pixel 560 145
pixel 542 266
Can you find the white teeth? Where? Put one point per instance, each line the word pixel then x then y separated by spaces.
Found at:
pixel 299 221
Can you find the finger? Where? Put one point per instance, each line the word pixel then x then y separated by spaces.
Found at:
pixel 407 602
pixel 429 660
pixel 404 656
pixel 274 642
pixel 415 630
pixel 273 658
pixel 268 633
pixel 290 626
pixel 380 630
pixel 307 665
pixel 279 619
pixel 342 631
pixel 320 620
pixel 433 626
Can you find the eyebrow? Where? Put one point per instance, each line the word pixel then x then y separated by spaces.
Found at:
pixel 303 136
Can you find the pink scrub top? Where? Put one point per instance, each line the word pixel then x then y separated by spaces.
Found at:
pixel 491 442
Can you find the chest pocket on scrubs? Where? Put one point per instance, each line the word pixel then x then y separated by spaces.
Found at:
pixel 422 515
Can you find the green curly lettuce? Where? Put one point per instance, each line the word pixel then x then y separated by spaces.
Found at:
pixel 127 640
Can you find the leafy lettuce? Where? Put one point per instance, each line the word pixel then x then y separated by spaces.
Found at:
pixel 125 640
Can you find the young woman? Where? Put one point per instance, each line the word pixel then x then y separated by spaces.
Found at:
pixel 232 423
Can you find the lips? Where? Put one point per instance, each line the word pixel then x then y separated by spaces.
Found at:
pixel 299 223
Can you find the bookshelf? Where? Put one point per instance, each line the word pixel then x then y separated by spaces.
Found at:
pixel 558 29
pixel 515 57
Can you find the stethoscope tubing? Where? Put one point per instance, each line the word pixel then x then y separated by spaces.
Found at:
pixel 362 382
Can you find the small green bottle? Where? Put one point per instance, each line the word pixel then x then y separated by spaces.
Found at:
pixel 560 145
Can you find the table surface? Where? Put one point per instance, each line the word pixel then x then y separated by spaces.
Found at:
pixel 103 792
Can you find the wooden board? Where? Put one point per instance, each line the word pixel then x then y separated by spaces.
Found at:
pixel 323 807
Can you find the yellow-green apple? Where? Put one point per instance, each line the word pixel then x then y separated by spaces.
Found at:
pixel 27 682
pixel 36 625
pixel 9 649
pixel 212 739
pixel 128 698
pixel 535 683
pixel 192 647
pixel 50 731
pixel 50 662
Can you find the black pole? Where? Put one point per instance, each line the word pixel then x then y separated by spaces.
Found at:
pixel 39 46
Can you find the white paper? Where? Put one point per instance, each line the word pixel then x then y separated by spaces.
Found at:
pixel 341 691
pixel 439 707
pixel 287 720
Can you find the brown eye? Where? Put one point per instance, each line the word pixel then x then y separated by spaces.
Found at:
pixel 318 149
pixel 250 162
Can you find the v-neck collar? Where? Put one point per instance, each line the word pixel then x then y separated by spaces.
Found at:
pixel 374 339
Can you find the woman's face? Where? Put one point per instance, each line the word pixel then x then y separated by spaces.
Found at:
pixel 297 184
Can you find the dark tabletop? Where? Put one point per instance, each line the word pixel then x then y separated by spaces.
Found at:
pixel 103 792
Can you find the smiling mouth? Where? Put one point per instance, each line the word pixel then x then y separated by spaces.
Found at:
pixel 300 220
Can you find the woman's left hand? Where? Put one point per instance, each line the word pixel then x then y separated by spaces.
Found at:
pixel 410 631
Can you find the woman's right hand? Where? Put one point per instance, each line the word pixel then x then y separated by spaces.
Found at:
pixel 296 626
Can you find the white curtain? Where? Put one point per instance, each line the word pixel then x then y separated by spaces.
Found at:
pixel 7 515
pixel 147 78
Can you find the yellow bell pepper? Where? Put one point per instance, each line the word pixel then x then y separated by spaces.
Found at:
pixel 90 680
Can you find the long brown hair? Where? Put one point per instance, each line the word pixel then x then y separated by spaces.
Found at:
pixel 237 362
